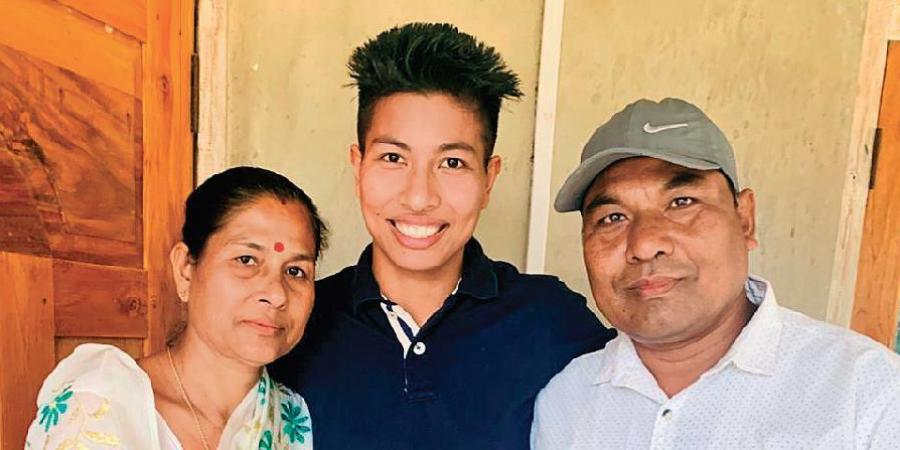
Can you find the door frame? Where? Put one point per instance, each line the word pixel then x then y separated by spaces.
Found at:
pixel 882 25
pixel 168 154
pixel 876 307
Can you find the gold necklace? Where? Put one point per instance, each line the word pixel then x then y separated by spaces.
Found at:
pixel 187 401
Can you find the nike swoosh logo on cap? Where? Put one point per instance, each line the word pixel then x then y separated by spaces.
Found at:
pixel 656 129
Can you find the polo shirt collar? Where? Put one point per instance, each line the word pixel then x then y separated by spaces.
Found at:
pixel 755 350
pixel 622 367
pixel 478 278
pixel 365 287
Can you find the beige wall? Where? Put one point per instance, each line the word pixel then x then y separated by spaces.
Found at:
pixel 288 109
pixel 777 76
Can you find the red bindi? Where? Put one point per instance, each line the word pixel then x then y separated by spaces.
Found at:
pixel 279 247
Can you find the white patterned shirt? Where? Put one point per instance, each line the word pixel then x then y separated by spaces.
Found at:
pixel 788 381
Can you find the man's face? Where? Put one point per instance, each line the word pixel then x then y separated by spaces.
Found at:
pixel 422 181
pixel 666 249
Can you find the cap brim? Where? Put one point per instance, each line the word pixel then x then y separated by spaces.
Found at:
pixel 571 195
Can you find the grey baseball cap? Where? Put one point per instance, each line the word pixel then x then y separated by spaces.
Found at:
pixel 672 130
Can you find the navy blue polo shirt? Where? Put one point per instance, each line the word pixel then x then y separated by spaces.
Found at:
pixel 488 351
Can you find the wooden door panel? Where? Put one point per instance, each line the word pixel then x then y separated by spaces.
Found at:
pixel 78 144
pixel 22 228
pixel 101 301
pixel 95 163
pixel 71 40
pixel 26 353
pixel 127 16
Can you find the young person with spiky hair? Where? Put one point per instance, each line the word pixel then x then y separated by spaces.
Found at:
pixel 426 343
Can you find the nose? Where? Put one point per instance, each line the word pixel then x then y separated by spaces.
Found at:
pixel 420 193
pixel 273 290
pixel 648 239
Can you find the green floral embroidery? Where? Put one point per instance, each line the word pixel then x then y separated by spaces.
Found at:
pixel 293 421
pixel 261 390
pixel 50 412
pixel 265 442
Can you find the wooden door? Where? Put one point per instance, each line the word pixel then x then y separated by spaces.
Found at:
pixel 875 309
pixel 96 158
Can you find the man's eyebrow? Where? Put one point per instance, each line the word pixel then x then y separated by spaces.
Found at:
pixel 598 201
pixel 683 178
pixel 390 141
pixel 457 146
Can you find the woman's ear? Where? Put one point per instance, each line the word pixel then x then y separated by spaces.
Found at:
pixel 182 270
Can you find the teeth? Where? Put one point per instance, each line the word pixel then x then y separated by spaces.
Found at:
pixel 417 231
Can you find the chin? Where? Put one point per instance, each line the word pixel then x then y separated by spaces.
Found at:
pixel 260 355
pixel 417 260
pixel 421 263
pixel 659 334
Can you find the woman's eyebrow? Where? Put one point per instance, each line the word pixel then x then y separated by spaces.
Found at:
pixel 303 257
pixel 243 243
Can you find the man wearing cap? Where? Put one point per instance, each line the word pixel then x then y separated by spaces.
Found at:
pixel 705 357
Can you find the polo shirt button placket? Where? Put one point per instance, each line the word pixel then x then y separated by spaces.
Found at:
pixel 662 436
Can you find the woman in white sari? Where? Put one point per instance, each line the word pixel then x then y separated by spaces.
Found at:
pixel 245 268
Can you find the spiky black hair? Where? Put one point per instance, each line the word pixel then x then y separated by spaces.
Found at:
pixel 432 57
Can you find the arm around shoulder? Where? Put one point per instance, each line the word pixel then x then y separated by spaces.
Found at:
pixel 576 325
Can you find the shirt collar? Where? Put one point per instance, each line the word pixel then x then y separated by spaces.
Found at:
pixel 755 350
pixel 622 367
pixel 478 278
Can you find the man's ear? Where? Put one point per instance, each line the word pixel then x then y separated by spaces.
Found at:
pixel 182 269
pixel 356 157
pixel 494 165
pixel 746 209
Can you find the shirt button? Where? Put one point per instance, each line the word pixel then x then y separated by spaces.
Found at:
pixel 667 414
pixel 419 348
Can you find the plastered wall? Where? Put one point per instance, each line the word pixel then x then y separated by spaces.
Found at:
pixel 777 76
pixel 289 110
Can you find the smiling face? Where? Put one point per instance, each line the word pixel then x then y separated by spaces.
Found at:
pixel 422 181
pixel 251 292
pixel 666 249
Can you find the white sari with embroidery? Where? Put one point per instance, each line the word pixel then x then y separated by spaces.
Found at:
pixel 99 398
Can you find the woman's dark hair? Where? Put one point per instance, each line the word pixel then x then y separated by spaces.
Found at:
pixel 210 204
